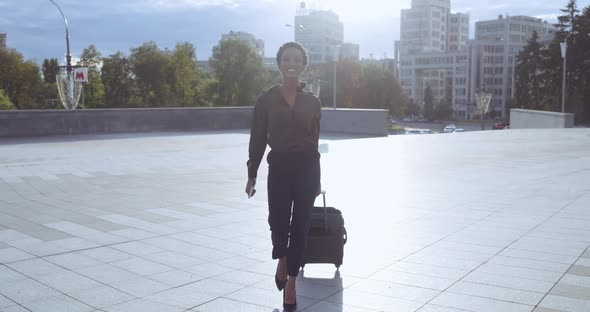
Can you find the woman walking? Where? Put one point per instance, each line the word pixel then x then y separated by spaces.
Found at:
pixel 288 120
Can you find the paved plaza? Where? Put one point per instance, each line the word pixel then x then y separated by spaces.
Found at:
pixel 477 221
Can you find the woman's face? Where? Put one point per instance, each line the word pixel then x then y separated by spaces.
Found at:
pixel 291 65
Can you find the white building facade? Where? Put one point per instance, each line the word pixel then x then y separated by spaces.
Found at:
pixel 497 43
pixel 431 41
pixel 466 66
pixel 320 32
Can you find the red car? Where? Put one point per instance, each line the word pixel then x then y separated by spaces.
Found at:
pixel 501 125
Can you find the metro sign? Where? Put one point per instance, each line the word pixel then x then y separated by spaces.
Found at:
pixel 81 74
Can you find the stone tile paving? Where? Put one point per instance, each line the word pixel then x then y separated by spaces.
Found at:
pixel 479 221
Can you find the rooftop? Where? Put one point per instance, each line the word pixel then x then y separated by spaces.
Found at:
pixel 474 221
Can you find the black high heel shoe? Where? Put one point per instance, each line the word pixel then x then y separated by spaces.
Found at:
pixel 289 307
pixel 280 284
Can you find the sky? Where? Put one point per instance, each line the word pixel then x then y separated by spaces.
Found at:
pixel 36 29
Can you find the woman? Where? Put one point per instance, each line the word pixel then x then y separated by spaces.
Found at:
pixel 288 120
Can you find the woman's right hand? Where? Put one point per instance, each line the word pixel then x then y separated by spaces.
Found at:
pixel 250 185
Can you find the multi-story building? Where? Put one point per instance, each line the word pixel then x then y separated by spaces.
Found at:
pixel 431 36
pixel 486 63
pixel 497 42
pixel 320 32
pixel 2 40
pixel 250 39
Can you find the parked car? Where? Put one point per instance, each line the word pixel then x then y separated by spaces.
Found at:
pixel 450 128
pixel 413 131
pixel 459 130
pixel 501 125
pixel 426 131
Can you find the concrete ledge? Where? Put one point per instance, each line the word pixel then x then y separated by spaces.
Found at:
pixel 355 121
pixel 30 123
pixel 535 119
pixel 60 122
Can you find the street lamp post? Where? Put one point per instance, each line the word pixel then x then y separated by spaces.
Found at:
pixel 514 56
pixel 564 55
pixel 68 55
pixel 336 54
pixel 69 91
pixel 469 69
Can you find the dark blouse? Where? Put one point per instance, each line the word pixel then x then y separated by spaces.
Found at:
pixel 282 128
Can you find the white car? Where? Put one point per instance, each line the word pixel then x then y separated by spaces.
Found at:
pixel 449 128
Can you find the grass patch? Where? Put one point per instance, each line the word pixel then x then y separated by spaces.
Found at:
pixel 396 128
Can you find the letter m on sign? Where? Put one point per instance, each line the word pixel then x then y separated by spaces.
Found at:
pixel 81 74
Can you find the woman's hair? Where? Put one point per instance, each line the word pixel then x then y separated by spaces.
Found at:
pixel 291 45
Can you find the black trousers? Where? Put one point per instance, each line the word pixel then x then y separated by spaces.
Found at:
pixel 293 184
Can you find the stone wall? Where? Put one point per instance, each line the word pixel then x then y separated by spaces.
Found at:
pixel 30 123
pixel 535 119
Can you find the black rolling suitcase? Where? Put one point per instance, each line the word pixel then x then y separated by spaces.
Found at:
pixel 327 236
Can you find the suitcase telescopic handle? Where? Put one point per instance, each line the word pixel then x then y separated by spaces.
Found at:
pixel 323 192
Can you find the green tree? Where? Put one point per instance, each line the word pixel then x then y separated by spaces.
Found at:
pixel 378 89
pixel 566 22
pixel 540 71
pixel 428 103
pixel 239 71
pixel 21 80
pixel 412 109
pixel 528 69
pixel 209 91
pixel 48 94
pixel 119 86
pixel 186 75
pixel 348 84
pixel 50 69
pixel 94 89
pixel 444 109
pixel 152 69
pixel 551 66
pixel 5 103
pixel 272 78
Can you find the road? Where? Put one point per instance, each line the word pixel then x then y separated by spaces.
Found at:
pixel 439 126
